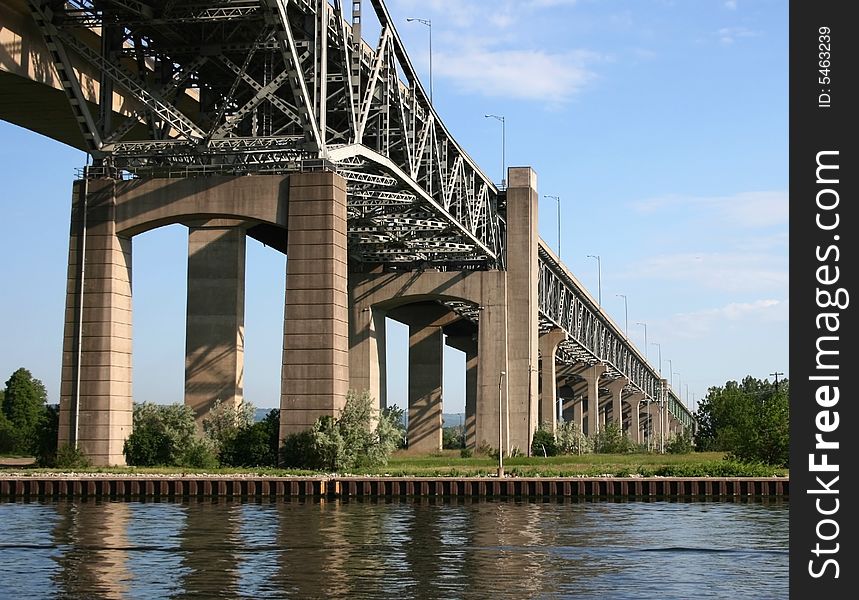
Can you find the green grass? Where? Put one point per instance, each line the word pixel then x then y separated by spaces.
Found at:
pixel 449 464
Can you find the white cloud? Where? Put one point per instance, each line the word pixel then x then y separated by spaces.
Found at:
pixel 518 73
pixel 728 35
pixel 730 272
pixel 699 324
pixel 743 209
pixel 731 4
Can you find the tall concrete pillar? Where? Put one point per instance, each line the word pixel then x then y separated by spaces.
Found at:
pixel 492 365
pixel 95 392
pixel 655 424
pixel 615 390
pixel 468 345
pixel 315 375
pixel 523 326
pixel 215 325
pixel 548 414
pixel 592 376
pixel 578 414
pixel 634 400
pixel 426 360
pixel 367 350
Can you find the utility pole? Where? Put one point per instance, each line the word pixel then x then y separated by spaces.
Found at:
pixel 776 374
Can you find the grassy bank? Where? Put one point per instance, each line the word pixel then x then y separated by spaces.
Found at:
pixel 449 463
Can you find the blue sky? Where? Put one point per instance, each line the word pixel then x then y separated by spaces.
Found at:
pixel 661 124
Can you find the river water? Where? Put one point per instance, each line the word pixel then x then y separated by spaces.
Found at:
pixel 400 549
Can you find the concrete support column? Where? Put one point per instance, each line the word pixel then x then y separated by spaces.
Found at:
pixel 578 414
pixel 522 300
pixel 634 400
pixel 548 414
pixel 367 350
pixel 97 356
pixel 315 375
pixel 215 324
pixel 655 431
pixel 592 376
pixel 615 390
pixel 426 360
pixel 468 345
pixel 492 387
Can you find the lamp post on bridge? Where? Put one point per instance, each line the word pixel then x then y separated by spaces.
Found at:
pixel 428 24
pixel 599 278
pixel 659 347
pixel 645 337
pixel 503 148
pixel 558 201
pixel 625 315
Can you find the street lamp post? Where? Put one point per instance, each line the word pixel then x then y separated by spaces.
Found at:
pixel 659 348
pixel 503 148
pixel 500 426
pixel 599 278
pixel 428 24
pixel 645 337
pixel 625 315
pixel 558 201
pixel 679 385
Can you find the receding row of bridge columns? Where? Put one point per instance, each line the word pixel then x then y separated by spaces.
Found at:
pixel 334 318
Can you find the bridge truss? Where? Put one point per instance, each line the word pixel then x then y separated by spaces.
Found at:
pixel 239 87
pixel 592 338
pixel 276 86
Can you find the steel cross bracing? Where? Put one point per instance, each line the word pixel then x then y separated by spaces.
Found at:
pixel 277 86
pixel 592 338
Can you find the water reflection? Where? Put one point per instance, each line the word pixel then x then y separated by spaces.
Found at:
pixel 425 549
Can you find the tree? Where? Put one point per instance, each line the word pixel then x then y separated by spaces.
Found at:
pixel 750 420
pixel 24 403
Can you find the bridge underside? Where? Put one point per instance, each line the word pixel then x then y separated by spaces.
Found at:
pixel 276 120
pixel 335 311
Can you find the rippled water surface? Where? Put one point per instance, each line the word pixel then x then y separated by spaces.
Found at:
pixel 283 549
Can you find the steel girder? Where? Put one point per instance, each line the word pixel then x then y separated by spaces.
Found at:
pixel 592 338
pixel 267 86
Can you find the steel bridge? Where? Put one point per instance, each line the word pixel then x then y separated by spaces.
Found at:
pixel 169 89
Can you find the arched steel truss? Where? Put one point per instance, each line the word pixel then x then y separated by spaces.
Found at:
pixel 275 86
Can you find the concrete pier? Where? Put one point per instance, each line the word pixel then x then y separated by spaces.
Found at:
pixel 315 375
pixel 215 324
pixel 95 393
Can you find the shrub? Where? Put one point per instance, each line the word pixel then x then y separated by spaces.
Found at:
pixel 611 440
pixel 544 443
pixel 298 451
pixel 680 444
pixel 69 457
pixel 569 439
pixel 162 435
pixel 466 453
pixel 347 442
pixel 199 454
pixel 451 438
pixel 225 420
pixel 253 445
